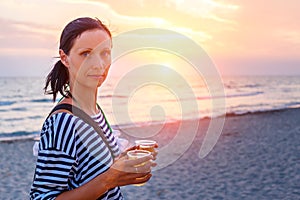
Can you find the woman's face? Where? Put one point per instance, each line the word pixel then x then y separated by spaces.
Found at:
pixel 89 59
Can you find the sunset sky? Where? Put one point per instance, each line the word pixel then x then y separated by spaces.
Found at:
pixel 241 36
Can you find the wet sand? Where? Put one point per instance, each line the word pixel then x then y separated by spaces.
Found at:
pixel 256 157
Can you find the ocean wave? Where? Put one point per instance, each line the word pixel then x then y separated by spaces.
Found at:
pixel 7 103
pixel 35 117
pixel 44 100
pixel 233 85
pixel 292 104
pixel 228 114
pixel 19 135
pixel 244 94
pixel 23 135
pixel 231 95
pixel 13 96
pixel 14 119
pixel 19 109
pixel 261 111
pixel 251 86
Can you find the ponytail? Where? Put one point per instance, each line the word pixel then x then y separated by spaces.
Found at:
pixel 58 79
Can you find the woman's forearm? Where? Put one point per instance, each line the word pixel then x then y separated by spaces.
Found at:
pixel 91 190
pixel 121 173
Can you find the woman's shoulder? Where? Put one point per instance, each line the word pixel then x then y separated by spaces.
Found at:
pixel 58 131
pixel 60 119
pixel 63 125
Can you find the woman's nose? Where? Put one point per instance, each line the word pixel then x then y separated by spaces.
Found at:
pixel 99 64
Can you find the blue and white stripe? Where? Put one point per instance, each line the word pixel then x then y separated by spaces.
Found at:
pixel 71 153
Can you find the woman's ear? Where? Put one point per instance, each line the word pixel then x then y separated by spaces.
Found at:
pixel 63 58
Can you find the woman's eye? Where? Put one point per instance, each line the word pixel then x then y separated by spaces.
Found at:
pixel 85 54
pixel 106 53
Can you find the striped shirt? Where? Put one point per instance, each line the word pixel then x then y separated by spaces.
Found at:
pixel 71 153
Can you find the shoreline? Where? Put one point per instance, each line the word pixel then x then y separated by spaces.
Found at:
pixel 256 157
pixel 35 135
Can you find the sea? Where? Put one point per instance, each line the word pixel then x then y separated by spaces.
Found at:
pixel 129 103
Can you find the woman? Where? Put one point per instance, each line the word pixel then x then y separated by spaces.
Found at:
pixel 74 162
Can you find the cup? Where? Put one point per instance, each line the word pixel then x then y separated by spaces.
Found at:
pixel 148 145
pixel 135 154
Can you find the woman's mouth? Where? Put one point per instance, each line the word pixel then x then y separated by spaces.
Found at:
pixel 96 76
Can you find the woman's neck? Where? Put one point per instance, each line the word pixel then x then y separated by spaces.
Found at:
pixel 85 100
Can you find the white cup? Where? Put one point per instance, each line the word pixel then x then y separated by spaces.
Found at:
pixel 148 145
pixel 135 154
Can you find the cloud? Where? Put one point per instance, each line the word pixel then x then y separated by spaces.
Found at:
pixel 208 9
pixel 266 29
pixel 228 29
pixel 21 38
pixel 128 21
pixel 292 36
pixel 32 28
pixel 108 13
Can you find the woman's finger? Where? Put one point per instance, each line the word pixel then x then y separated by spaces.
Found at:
pixel 142 179
pixel 145 168
pixel 129 149
pixel 138 161
pixel 154 154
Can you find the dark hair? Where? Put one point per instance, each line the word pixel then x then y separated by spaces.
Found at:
pixel 58 78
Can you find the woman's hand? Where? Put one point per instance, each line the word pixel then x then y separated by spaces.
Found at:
pixel 154 154
pixel 126 172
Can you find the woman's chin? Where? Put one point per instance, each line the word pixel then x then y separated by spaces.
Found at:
pixel 100 82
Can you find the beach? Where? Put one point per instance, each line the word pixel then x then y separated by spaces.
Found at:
pixel 256 157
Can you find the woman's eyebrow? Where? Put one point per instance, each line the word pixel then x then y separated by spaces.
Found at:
pixel 85 48
pixel 92 49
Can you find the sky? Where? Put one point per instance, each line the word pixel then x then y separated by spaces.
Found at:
pixel 242 37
